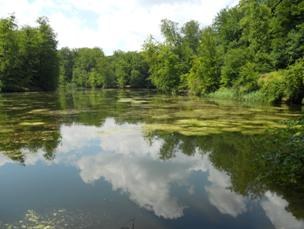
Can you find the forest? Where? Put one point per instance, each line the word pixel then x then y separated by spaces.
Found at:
pixel 253 51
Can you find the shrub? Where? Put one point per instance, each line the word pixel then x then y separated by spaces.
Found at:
pixel 233 61
pixel 272 86
pixel 247 81
pixel 294 79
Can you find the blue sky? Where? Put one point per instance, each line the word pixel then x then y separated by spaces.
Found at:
pixel 111 24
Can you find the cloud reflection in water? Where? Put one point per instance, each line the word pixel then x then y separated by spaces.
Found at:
pixel 131 163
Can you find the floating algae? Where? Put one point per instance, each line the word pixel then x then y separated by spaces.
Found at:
pixel 31 123
pixel 203 127
pixel 161 117
pixel 5 130
pixel 129 100
pixel 38 111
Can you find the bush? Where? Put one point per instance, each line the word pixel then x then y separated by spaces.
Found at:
pixel 272 85
pixel 247 81
pixel 233 61
pixel 294 78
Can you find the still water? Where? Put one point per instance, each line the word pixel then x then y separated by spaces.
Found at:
pixel 135 159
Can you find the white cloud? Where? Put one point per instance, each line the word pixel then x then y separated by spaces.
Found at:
pixel 146 186
pixel 75 137
pixel 225 200
pixel 111 24
pixel 131 164
pixel 153 2
pixel 4 160
pixel 275 209
pixel 127 139
pixel 31 158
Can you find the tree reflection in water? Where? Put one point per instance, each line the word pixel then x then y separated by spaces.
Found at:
pixel 147 163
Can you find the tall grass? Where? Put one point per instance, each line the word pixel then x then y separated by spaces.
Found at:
pixel 232 94
pixel 223 93
pixel 255 97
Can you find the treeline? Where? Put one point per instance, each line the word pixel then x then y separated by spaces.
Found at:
pixel 253 50
pixel 28 56
pixel 256 47
pixel 90 68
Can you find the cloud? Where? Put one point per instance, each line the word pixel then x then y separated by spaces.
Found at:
pixel 157 2
pixel 132 165
pixel 76 137
pixel 111 24
pixel 4 160
pixel 275 209
pixel 136 176
pixel 225 200
pixel 127 139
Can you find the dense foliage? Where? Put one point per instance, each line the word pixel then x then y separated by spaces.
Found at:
pixel 254 49
pixel 90 68
pixel 28 56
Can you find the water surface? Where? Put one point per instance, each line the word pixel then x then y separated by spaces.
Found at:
pixel 123 159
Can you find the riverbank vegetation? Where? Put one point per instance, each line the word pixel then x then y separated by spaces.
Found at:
pixel 253 51
pixel 28 56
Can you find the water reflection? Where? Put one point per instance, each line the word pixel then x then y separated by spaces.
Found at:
pixel 3 159
pixel 130 163
pixel 275 209
pixel 163 172
pixel 220 196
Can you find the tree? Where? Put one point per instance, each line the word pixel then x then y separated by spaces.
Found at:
pixel 191 35
pixel 256 27
pixel 28 56
pixel 86 72
pixel 170 31
pixel 228 29
pixel 48 70
pixel 204 76
pixel 8 53
pixel 294 82
pixel 287 28
pixel 66 61
pixel 233 61
pixel 191 38
pixel 164 66
pixel 121 68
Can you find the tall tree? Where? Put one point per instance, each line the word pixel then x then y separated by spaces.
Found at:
pixel 48 71
pixel 66 64
pixel 85 71
pixel 8 53
pixel 204 76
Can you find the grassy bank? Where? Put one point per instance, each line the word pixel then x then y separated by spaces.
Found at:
pixel 232 94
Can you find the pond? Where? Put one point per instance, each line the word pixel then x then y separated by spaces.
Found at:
pixel 137 159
